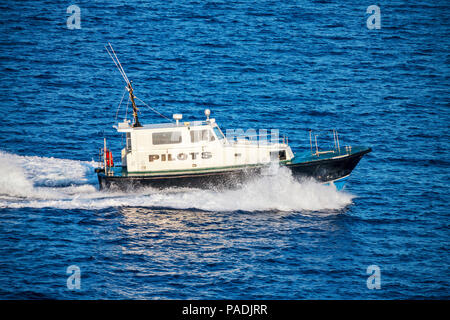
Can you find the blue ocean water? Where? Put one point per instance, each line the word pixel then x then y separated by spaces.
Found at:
pixel 287 65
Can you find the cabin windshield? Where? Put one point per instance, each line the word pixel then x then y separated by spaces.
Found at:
pixel 218 133
pixel 201 135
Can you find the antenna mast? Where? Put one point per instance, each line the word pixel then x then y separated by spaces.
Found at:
pixel 128 82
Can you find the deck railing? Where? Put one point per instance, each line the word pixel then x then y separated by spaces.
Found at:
pixel 336 149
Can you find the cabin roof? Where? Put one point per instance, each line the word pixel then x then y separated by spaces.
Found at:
pixel 174 125
pixel 126 127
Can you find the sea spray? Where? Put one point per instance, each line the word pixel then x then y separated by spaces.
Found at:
pixel 40 182
pixel 13 181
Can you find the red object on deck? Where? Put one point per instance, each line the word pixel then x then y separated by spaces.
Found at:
pixel 109 159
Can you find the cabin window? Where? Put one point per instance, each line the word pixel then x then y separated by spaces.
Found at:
pixel 201 135
pixel 170 137
pixel 218 133
pixel 278 155
pixel 128 141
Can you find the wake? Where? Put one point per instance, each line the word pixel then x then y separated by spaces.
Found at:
pixel 41 182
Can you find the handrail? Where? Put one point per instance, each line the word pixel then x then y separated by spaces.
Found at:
pixel 337 148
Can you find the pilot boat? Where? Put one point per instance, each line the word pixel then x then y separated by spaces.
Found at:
pixel 198 154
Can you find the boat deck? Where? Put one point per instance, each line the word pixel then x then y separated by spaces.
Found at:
pixel 304 157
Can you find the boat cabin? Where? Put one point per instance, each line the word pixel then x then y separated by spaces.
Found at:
pixel 181 146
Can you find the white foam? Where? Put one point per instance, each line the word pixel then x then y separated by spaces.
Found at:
pixel 12 179
pixel 38 182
